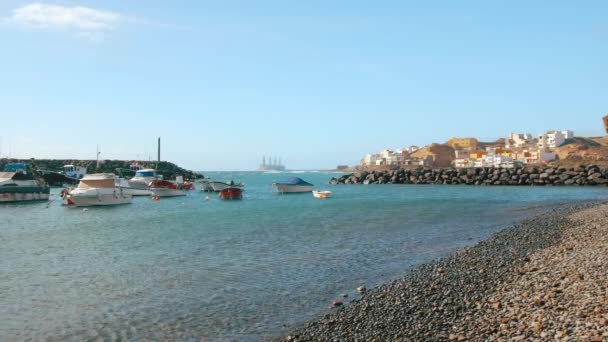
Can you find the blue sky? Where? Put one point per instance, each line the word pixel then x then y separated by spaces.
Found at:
pixel 319 83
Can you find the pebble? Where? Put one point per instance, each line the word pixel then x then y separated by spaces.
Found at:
pixel 562 295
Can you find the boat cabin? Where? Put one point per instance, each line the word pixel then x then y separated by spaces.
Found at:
pixel 145 173
pixel 99 180
pixel 74 171
pixel 16 167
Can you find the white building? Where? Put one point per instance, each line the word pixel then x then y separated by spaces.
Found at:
pixel 553 139
pixel 461 163
pixel 515 140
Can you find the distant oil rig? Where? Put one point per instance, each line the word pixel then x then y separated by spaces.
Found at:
pixel 271 165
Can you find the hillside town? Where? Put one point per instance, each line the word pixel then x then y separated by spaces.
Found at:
pixel 516 149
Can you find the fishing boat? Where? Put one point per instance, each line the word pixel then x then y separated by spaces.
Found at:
pixel 293 185
pixel 17 185
pixel 165 188
pixel 205 186
pixel 98 189
pixel 231 193
pixel 218 186
pixel 71 175
pixel 138 185
pixel 322 194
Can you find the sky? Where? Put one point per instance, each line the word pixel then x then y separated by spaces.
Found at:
pixel 318 83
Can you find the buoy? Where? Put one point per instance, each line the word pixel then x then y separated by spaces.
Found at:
pixel 207 198
pixel 156 198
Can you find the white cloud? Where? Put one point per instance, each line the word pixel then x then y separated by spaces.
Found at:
pixel 82 21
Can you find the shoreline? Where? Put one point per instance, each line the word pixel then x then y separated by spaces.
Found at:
pixel 537 279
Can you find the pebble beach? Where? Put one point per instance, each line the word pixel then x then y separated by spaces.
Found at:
pixel 545 278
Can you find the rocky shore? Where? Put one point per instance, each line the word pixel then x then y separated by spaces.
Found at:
pixel 580 175
pixel 543 279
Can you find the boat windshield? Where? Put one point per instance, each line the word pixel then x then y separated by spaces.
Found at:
pixel 144 174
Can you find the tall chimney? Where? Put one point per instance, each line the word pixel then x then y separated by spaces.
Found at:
pixel 158 149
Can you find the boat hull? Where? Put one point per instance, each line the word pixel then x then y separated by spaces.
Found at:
pixel 165 192
pixel 139 187
pixel 24 193
pixel 23 196
pixel 91 198
pixel 322 194
pixel 139 192
pixel 231 194
pixel 289 188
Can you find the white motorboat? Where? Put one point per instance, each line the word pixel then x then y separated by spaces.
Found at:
pixel 138 185
pixel 126 186
pixel 293 185
pixel 322 194
pixel 219 186
pixel 165 188
pixel 17 185
pixel 98 189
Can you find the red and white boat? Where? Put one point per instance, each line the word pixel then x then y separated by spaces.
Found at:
pixel 231 193
pixel 165 188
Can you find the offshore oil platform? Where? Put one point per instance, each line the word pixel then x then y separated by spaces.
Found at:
pixel 272 164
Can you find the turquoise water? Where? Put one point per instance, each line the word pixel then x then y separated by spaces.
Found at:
pixel 186 269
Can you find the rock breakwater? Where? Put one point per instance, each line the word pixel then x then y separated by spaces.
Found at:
pixel 580 175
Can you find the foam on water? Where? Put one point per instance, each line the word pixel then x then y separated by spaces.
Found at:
pixel 184 268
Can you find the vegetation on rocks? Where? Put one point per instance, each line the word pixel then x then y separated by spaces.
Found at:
pixel 166 169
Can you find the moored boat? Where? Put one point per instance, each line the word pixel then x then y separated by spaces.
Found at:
pixel 17 185
pixel 205 186
pixel 98 189
pixel 293 185
pixel 322 194
pixel 218 186
pixel 139 184
pixel 165 188
pixel 231 193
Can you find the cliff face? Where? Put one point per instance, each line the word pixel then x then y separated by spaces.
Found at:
pixel 166 169
pixel 579 150
pixel 442 155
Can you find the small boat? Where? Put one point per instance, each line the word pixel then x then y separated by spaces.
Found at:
pixel 139 183
pixel 205 186
pixel 231 194
pixel 17 185
pixel 293 185
pixel 165 188
pixel 322 193
pixel 98 189
pixel 218 186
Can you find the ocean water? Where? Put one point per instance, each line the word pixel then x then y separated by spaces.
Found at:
pixel 186 269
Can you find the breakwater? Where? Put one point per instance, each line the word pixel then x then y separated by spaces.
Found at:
pixel 580 175
pixel 167 169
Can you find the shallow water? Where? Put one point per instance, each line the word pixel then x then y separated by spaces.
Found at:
pixel 186 269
